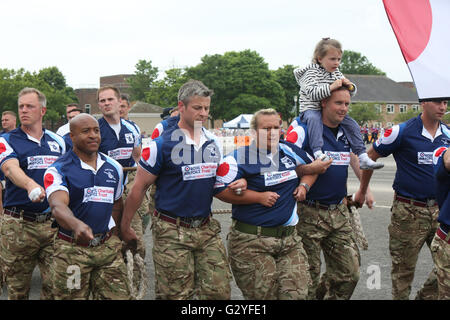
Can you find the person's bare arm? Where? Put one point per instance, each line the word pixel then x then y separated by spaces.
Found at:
pixel 16 175
pixel 142 182
pixel 316 167
pixel 59 203
pixel 266 198
pixel 365 176
pixel 136 154
pixel 301 190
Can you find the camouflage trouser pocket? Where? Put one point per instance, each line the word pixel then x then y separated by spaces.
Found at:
pixel 307 215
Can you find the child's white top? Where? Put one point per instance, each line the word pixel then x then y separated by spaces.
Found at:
pixel 314 82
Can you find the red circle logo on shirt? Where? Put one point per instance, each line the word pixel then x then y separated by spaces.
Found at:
pixel 223 169
pixel 439 151
pixel 292 137
pixel 146 154
pixel 387 132
pixel 2 147
pixel 48 180
pixel 155 134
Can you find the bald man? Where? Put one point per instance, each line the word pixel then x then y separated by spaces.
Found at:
pixel 84 189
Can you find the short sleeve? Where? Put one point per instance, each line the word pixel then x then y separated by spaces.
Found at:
pixel 54 181
pixel 6 151
pixel 297 136
pixel 227 172
pixel 440 171
pixel 300 156
pixel 388 141
pixel 151 157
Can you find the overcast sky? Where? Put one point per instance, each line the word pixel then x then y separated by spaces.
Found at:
pixel 90 39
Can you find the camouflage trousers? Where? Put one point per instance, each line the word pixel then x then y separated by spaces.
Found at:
pixel 330 231
pixel 269 268
pixel 410 228
pixel 24 245
pixel 80 271
pixel 190 262
pixel 441 256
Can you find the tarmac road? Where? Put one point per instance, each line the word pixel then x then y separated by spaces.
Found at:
pixel 375 261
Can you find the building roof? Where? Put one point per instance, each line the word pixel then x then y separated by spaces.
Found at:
pixel 373 88
pixel 142 107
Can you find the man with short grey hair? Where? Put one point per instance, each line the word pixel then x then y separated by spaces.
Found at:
pixel 188 253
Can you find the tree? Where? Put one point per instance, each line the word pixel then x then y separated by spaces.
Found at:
pixel 354 63
pixel 285 77
pixel 53 77
pixel 49 81
pixel 164 92
pixel 364 112
pixel 404 116
pixel 143 79
pixel 241 82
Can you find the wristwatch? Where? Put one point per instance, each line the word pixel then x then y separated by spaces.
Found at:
pixel 307 187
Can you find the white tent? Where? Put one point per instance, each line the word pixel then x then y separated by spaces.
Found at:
pixel 241 121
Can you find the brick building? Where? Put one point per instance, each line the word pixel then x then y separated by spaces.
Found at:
pixel 388 97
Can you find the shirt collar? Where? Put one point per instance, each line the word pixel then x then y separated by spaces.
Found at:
pixel 85 166
pixel 425 132
pixel 32 138
pixel 203 140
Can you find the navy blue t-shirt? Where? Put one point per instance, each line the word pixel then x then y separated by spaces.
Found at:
pixel 92 192
pixel 412 148
pixel 186 176
pixel 264 172
pixel 331 186
pixel 442 179
pixel 34 157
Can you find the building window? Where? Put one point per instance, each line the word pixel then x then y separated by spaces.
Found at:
pixel 378 108
pixel 415 107
pixel 403 108
pixel 390 108
pixel 87 108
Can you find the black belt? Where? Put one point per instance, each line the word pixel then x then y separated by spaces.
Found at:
pixel 187 222
pixel 27 215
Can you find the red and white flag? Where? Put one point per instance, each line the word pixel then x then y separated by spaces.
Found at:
pixel 422 28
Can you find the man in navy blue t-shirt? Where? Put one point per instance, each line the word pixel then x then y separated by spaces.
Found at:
pixel 188 253
pixel 25 154
pixel 440 247
pixel 324 223
pixel 84 189
pixel 414 209
pixel 121 140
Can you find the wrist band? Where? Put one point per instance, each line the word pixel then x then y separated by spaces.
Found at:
pixel 306 186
